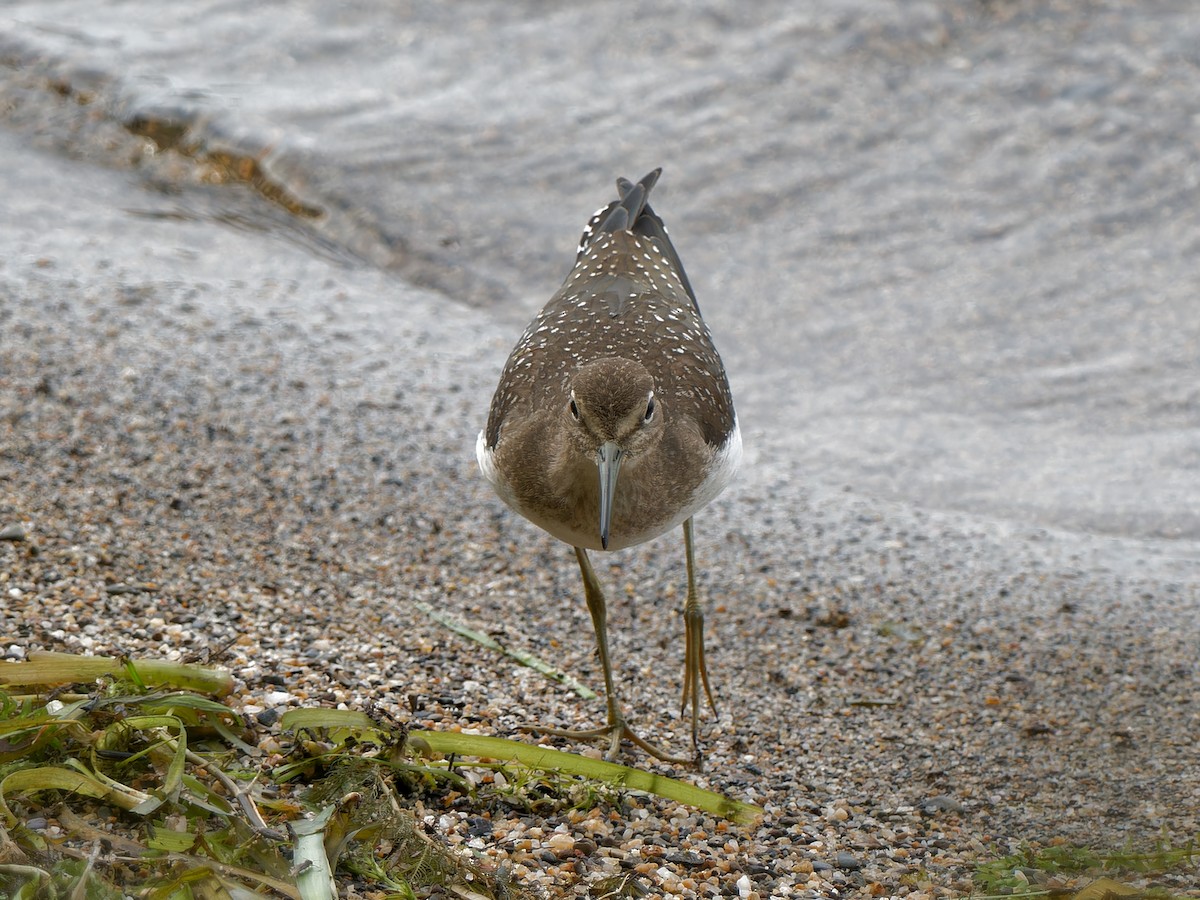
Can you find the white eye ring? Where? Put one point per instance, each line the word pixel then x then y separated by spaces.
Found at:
pixel 574 409
pixel 649 408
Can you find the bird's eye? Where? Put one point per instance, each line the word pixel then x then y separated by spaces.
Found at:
pixel 649 409
pixel 574 409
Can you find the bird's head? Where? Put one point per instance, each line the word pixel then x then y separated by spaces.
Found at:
pixel 612 415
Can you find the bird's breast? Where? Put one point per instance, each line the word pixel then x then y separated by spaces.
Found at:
pixel 560 493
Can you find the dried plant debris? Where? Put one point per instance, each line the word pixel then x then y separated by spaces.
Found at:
pixel 122 777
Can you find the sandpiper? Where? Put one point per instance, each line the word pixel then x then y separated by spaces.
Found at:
pixel 613 421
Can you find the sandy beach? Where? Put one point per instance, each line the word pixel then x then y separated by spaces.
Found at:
pixel 269 442
pixel 901 691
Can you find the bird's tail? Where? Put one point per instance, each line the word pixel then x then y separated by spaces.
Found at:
pixel 631 212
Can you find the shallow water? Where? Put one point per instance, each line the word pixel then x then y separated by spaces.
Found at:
pixel 948 250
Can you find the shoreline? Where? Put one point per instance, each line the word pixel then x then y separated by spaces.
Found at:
pixel 285 455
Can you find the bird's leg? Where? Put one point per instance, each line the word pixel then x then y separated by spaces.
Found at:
pixel 695 672
pixel 599 610
pixel 617 728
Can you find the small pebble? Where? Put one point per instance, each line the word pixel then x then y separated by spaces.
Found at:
pixel 12 533
pixel 849 861
pixel 942 803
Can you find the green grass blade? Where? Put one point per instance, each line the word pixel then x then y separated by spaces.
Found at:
pixel 115 736
pixel 231 738
pixel 340 723
pixel 132 673
pixel 47 667
pixel 447 742
pixel 22 736
pixel 171 841
pixel 34 881
pixel 205 797
pixel 75 781
pixel 523 657
pixel 167 703
pixel 314 875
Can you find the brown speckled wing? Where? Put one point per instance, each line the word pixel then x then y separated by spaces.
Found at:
pixel 627 296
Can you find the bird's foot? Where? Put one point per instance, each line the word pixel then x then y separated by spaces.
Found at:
pixel 616 732
pixel 695 672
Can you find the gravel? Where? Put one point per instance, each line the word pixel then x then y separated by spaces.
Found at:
pixel 266 469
